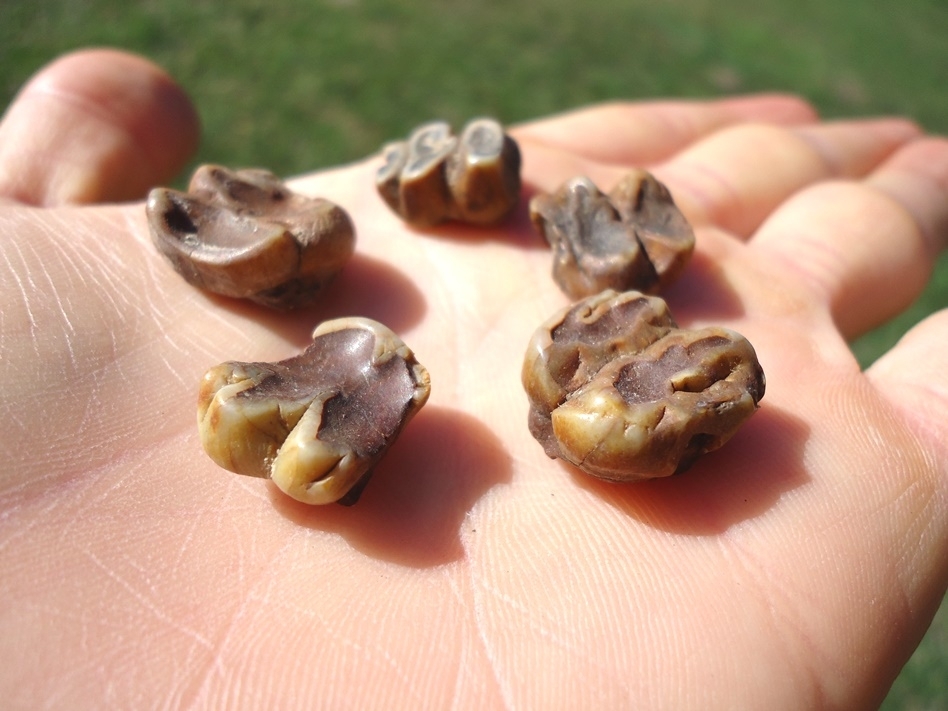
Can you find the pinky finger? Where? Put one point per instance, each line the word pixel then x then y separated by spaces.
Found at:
pixel 913 376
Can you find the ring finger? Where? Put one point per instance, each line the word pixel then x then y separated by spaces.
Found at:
pixel 866 249
pixel 735 178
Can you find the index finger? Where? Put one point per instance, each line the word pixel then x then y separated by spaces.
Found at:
pixel 642 133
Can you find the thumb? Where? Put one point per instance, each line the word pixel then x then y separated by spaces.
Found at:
pixel 94 126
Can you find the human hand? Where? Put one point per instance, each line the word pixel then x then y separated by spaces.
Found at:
pixel 797 567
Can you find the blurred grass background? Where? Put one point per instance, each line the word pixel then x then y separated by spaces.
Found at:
pixel 294 85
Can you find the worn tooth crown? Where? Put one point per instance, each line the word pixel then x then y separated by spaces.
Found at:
pixel 244 234
pixel 435 176
pixel 617 389
pixel 317 423
pixel 633 238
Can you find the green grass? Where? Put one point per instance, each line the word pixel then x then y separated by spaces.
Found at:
pixel 300 84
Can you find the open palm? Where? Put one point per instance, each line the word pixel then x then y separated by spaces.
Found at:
pixel 797 567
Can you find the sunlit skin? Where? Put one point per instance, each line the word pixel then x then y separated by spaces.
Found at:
pixel 797 567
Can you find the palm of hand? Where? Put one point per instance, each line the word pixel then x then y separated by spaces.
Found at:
pixel 474 570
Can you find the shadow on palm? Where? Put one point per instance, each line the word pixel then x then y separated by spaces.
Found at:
pixel 413 510
pixel 366 287
pixel 732 485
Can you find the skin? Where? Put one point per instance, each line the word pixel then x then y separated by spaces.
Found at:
pixel 798 567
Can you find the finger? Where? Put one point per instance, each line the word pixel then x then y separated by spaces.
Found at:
pixel 95 126
pixel 637 134
pixel 735 178
pixel 914 377
pixel 604 141
pixel 866 249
